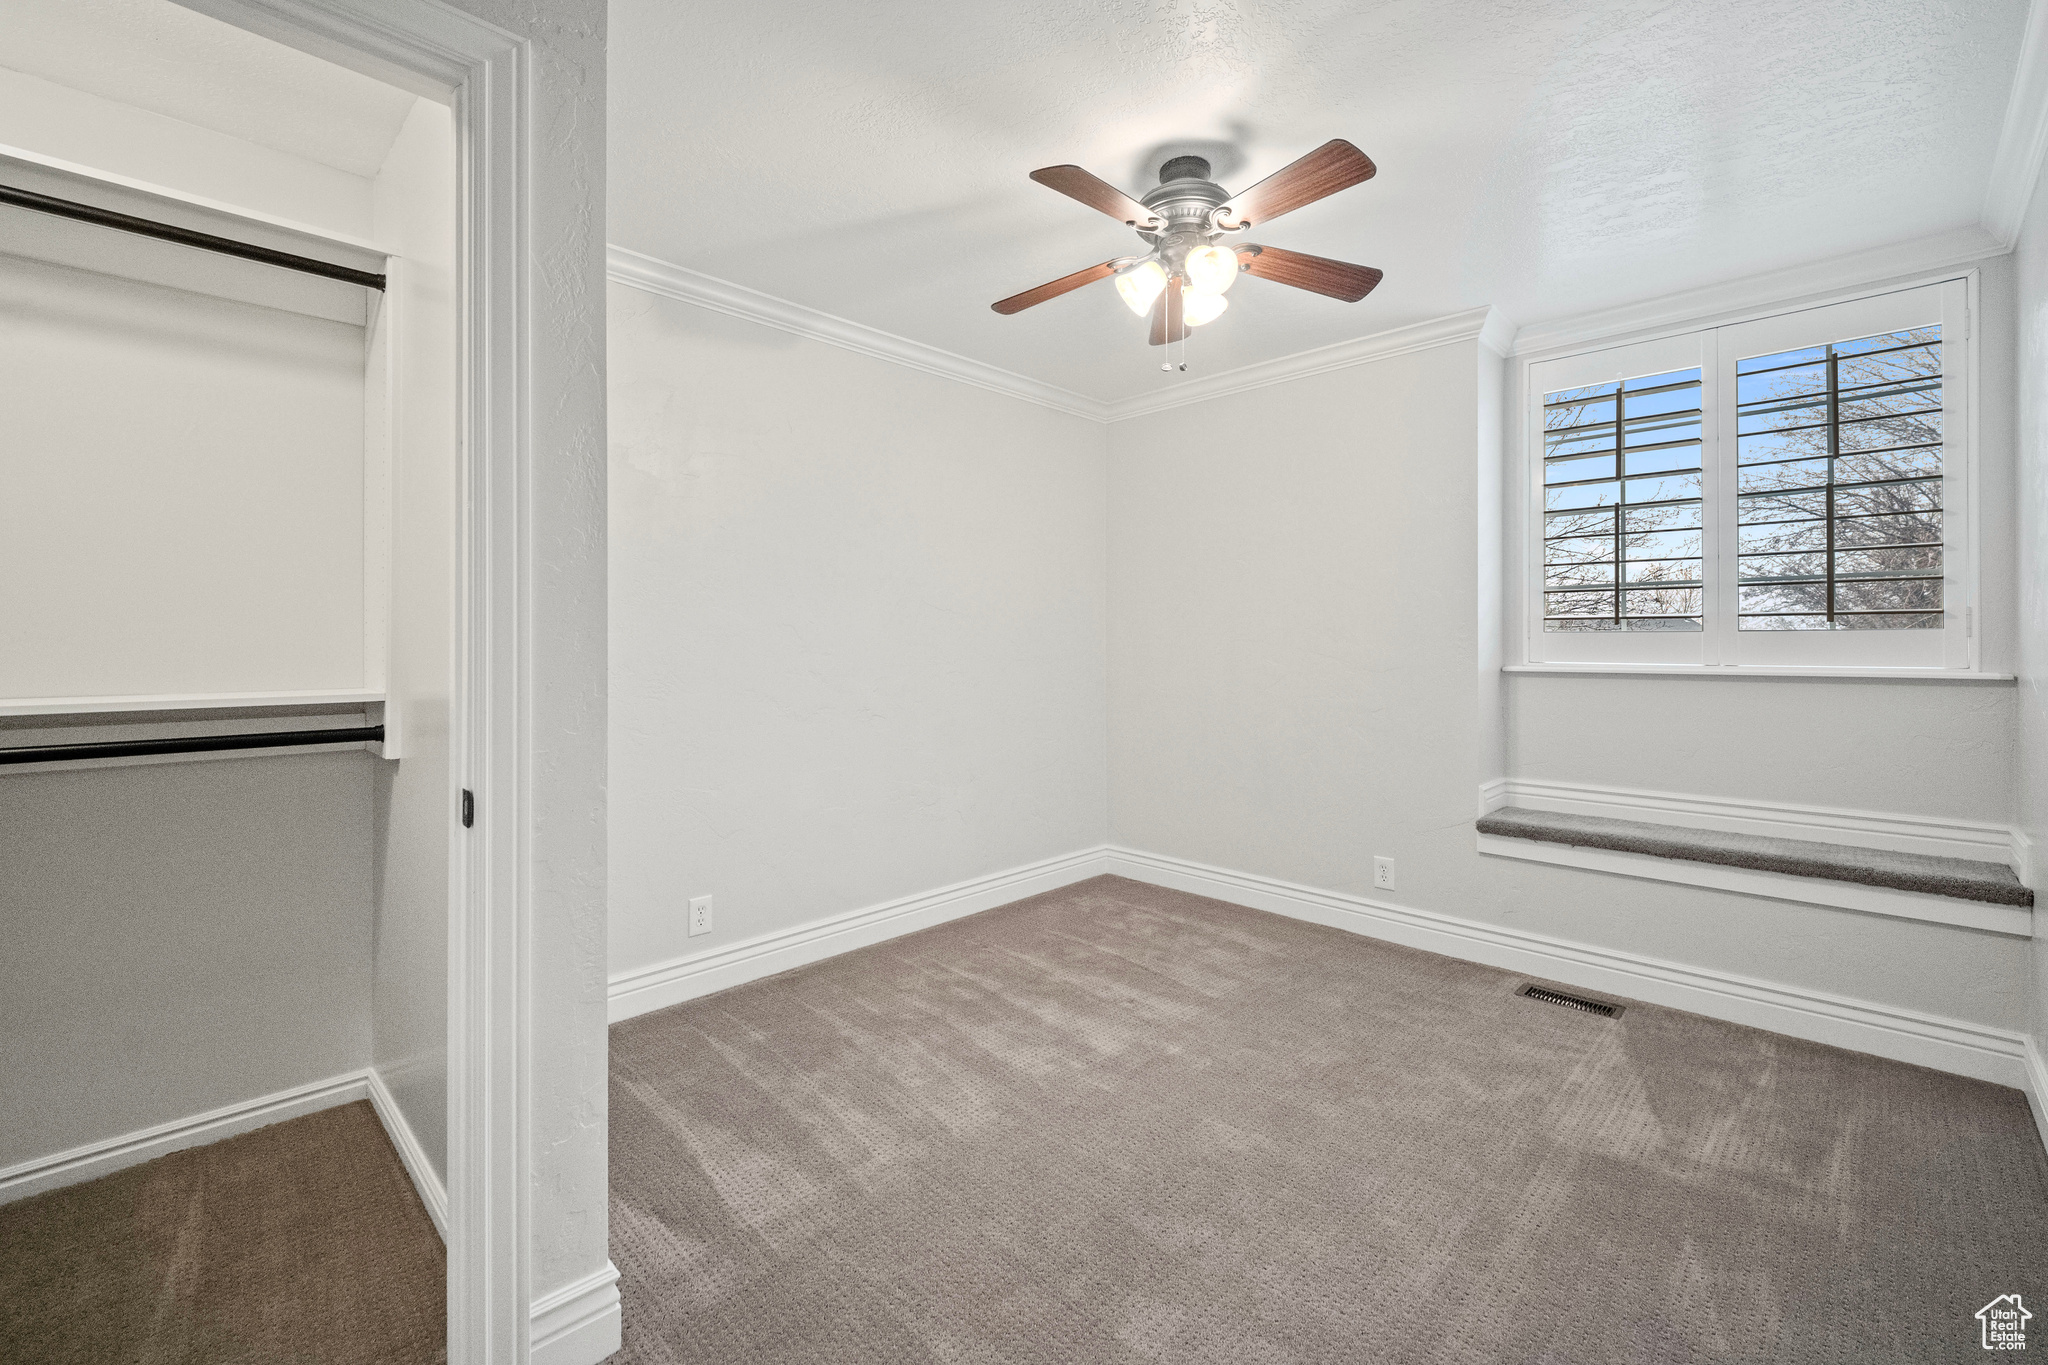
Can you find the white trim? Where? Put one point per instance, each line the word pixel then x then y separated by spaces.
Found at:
pixel 2023 857
pixel 125 194
pixel 637 271
pixel 95 1159
pixel 433 1194
pixel 195 701
pixel 2037 1087
pixel 1957 1046
pixel 641 989
pixel 1956 651
pixel 1951 1045
pixel 2014 920
pixel 580 1323
pixel 1941 838
pixel 1485 325
pixel 1903 265
pixel 655 276
pixel 1942 675
pixel 1978 841
pixel 435 49
pixel 2023 137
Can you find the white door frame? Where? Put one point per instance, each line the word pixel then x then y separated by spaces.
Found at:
pixel 486 74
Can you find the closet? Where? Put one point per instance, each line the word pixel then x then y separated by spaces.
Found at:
pixel 229 512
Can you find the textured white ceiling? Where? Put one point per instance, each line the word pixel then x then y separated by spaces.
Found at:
pixel 162 57
pixel 1549 158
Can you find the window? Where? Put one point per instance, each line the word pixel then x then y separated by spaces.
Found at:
pixel 1838 485
pixel 1789 492
pixel 1621 498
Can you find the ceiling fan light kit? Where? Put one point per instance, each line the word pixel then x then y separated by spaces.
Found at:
pixel 1181 278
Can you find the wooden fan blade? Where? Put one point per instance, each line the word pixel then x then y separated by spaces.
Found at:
pixel 1336 165
pixel 1017 303
pixel 1167 324
pixel 1097 194
pixel 1317 274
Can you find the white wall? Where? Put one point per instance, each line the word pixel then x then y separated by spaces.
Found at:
pixel 184 475
pixel 2030 753
pixel 178 937
pixel 1294 599
pixel 415 815
pixel 857 629
pixel 1919 748
pixel 119 139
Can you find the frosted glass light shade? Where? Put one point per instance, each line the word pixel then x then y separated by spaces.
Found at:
pixel 1197 309
pixel 1211 269
pixel 1140 285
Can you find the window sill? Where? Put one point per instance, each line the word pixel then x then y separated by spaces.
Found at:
pixel 1760 671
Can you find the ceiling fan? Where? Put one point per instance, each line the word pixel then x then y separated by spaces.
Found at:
pixel 1185 270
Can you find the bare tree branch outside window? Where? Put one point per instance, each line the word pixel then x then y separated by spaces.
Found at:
pixel 1839 485
pixel 1621 533
pixel 1838 493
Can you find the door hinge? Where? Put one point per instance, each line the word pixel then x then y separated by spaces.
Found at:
pixel 468 808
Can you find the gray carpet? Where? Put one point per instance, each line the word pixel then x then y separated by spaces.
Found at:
pixel 1116 1123
pixel 1962 878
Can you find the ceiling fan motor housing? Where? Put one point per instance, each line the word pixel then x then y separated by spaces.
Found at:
pixel 1184 199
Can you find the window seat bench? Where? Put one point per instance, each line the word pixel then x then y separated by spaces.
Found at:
pixel 1923 874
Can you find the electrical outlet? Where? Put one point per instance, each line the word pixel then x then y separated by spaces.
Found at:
pixel 700 916
pixel 1383 873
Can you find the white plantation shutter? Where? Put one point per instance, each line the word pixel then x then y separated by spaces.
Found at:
pixel 1621 505
pixel 1790 492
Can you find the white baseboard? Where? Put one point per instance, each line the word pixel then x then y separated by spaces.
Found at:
pixel 1976 840
pixel 433 1193
pixel 685 978
pixel 578 1324
pixel 1951 1045
pixel 96 1159
pixel 2037 1087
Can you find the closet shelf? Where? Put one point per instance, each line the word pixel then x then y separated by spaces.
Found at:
pixel 90 706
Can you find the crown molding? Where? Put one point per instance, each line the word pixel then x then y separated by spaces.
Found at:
pixel 1794 287
pixel 1483 324
pixel 636 271
pixel 2023 140
pixel 1497 334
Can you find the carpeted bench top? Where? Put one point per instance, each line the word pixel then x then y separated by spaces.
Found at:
pixel 1961 878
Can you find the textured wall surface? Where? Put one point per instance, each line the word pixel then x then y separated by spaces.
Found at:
pixel 1293 655
pixel 178 937
pixel 857 629
pixel 566 616
pixel 2030 758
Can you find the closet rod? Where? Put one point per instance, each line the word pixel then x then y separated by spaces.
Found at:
pixel 192 744
pixel 205 241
